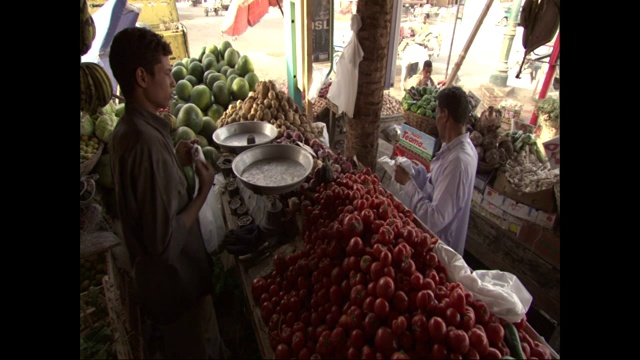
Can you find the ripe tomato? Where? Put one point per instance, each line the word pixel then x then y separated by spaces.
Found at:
pixel 385 258
pixel 468 318
pixel 357 339
pixel 492 353
pixel 381 308
pixel 385 288
pixel 368 217
pixel 399 325
pixel 377 270
pixel 408 267
pixel 368 303
pixel 416 281
pixel 358 294
pixel 282 351
pixel 458 341
pixel 355 247
pixel 420 327
pixel 452 317
pixel 495 333
pixel 258 287
pixel 386 235
pixel 478 341
pixel 438 351
pixel 458 300
pixel 385 341
pixel 365 263
pixel 371 324
pixel 399 355
pixel 298 342
pixel 437 329
pixel 400 302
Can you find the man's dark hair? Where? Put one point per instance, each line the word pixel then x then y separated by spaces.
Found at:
pixel 427 63
pixel 132 48
pixel 456 101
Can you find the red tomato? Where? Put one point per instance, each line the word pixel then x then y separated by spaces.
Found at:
pixel 355 247
pixel 431 260
pixel 385 341
pixel 381 308
pixel 258 287
pixel 298 342
pixel 478 341
pixel 385 258
pixel 437 329
pixel 386 235
pixel 438 351
pixel 416 281
pixel 358 294
pixel 385 288
pixel 400 302
pixel 468 318
pixel 352 226
pixel 365 263
pixel 282 351
pixel 368 217
pixel 376 226
pixel 495 333
pixel 399 325
pixel 408 267
pixel 458 300
pixel 453 317
pixel 481 311
pixel 399 355
pixel 371 324
pixel 357 339
pixel 420 328
pixel 458 341
pixel 368 353
pixel 377 270
pixel 493 354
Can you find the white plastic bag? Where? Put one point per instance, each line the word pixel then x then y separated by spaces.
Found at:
pixel 344 88
pixel 390 166
pixel 212 224
pixel 503 293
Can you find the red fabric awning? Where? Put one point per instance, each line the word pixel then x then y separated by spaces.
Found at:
pixel 245 13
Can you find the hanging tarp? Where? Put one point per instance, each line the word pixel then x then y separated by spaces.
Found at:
pixel 244 13
pixel 541 21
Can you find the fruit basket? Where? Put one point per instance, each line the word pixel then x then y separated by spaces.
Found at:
pixel 421 123
pixel 88 165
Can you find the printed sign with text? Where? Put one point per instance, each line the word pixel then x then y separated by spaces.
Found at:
pixel 415 145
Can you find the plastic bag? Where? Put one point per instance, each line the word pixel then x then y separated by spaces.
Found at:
pixel 503 293
pixel 212 224
pixel 319 79
pixel 344 88
pixel 390 166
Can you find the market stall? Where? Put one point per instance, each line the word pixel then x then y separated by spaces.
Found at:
pixel 331 263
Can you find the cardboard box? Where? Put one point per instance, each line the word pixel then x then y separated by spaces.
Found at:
pixel 476 196
pixel 492 208
pixel 540 200
pixel 415 145
pixel 512 223
pixel 545 219
pixel 482 180
pixel 544 242
pixel 493 196
pixel 519 210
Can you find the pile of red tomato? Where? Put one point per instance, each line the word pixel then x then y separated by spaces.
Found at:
pixel 368 285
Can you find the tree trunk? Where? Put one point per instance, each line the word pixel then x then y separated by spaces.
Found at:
pixel 362 130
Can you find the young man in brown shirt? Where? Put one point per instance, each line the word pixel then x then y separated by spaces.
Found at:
pixel 159 218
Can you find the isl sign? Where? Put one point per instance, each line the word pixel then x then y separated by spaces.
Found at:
pixel 321 30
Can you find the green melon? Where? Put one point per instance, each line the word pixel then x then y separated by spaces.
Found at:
pixel 183 89
pixel 191 117
pixel 213 78
pixel 202 141
pixel 221 94
pixel 175 105
pixel 179 73
pixel 179 63
pixel 192 79
pixel 215 112
pixel 230 81
pixel 191 179
pixel 232 72
pixel 208 127
pixel 220 65
pixel 201 96
pixel 183 133
pixel 223 70
pixel 196 69
pixel 209 55
pixel 231 57
pixel 224 46
pixel 211 155
pixel 213 49
pixel 186 62
pixel 240 89
pixel 244 65
pixel 209 63
pixel 206 75
pixel 252 79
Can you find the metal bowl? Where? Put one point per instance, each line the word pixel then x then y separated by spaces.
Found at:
pixel 280 168
pixel 234 137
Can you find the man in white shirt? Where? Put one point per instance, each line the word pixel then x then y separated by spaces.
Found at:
pixel 441 199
